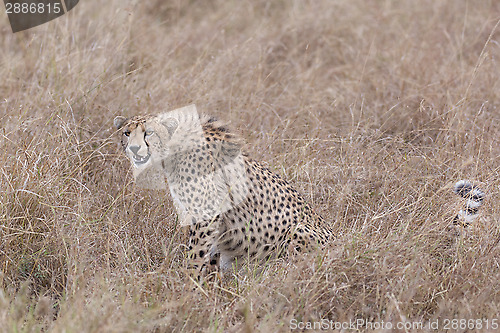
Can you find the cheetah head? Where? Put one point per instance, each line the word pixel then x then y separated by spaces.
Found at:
pixel 145 139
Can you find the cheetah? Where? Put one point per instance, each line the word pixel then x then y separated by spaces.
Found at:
pixel 234 206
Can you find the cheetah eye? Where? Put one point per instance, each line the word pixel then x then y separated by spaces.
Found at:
pixel 127 133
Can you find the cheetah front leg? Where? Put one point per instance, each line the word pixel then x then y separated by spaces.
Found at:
pixel 203 253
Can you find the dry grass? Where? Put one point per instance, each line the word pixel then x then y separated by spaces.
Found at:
pixel 372 109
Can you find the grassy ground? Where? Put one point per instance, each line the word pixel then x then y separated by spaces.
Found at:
pixel 372 109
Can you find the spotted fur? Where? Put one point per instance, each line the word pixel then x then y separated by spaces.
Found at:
pixel 473 201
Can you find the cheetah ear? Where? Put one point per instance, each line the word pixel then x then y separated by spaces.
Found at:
pixel 119 121
pixel 171 125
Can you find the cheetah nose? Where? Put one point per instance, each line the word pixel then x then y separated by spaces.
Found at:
pixel 134 149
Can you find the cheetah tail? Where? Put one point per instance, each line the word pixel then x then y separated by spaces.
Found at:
pixel 474 199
